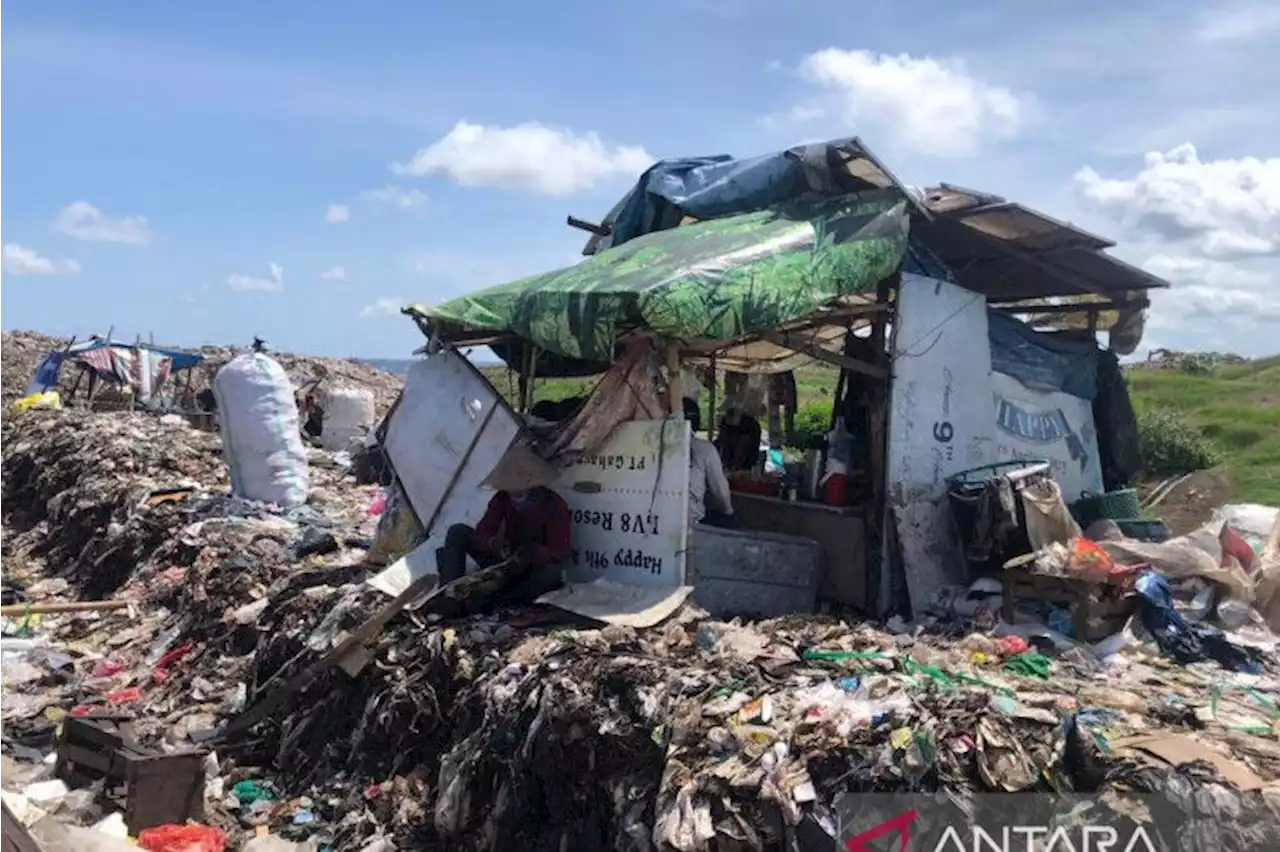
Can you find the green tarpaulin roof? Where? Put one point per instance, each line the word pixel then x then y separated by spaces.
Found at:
pixel 721 279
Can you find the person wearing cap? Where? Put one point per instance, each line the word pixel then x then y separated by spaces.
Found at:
pixel 738 437
pixel 526 526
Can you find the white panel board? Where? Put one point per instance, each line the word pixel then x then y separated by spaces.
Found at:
pixel 449 416
pixel 940 423
pixel 1056 426
pixel 630 506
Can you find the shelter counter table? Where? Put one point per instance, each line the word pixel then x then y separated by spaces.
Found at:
pixel 841 533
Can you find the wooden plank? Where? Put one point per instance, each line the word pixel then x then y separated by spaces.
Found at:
pixel 307 676
pixel 806 347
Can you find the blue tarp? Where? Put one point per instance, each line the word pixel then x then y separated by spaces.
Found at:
pixel 46 374
pixel 720 185
pixel 181 360
pixel 1044 362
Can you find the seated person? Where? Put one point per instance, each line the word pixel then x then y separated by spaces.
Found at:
pixel 738 439
pixel 526 528
pixel 710 501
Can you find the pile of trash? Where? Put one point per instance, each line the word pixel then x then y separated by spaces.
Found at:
pixel 21 352
pixel 528 727
pixel 305 369
pixel 497 732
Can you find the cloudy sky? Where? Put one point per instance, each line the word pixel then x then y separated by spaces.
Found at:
pixel 212 171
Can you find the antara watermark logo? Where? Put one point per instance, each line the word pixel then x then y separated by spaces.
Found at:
pixel 1052 825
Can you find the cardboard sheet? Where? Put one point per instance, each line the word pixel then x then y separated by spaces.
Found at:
pixel 616 603
pixel 1175 750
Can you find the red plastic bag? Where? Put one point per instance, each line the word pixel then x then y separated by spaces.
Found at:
pixel 182 838
pixel 1090 562
pixel 1014 645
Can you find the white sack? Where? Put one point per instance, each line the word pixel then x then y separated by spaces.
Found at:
pixel 349 414
pixel 258 419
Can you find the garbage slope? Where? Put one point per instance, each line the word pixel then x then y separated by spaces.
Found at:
pixel 524 729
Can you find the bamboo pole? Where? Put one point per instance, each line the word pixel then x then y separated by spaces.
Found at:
pixel 711 410
pixel 62 606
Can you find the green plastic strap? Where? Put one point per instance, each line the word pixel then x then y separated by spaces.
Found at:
pixel 836 656
pixel 1260 699
pixel 911 666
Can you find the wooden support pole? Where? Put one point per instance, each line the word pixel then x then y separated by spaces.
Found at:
pixel 807 347
pixel 711 410
pixel 674 396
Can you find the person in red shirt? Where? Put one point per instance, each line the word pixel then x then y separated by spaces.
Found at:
pixel 526 526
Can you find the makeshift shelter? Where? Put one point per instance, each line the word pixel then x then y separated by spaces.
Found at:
pixel 819 253
pixel 135 372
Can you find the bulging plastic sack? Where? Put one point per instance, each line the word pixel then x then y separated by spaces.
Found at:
pixel 349 415
pixel 258 420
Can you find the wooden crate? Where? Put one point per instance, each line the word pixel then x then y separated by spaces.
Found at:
pixel 1097 609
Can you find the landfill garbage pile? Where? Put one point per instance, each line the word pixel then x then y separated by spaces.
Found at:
pixel 527 728
pixel 303 369
pixel 135 508
pixel 86 492
pixel 23 351
pixel 492 732
pixel 20 353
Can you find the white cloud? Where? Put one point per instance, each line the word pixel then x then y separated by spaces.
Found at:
pixel 926 105
pixel 1222 208
pixel 337 213
pixel 1199 270
pixel 1207 291
pixel 20 260
pixel 336 273
pixel 388 306
pixel 531 157
pixel 83 221
pixel 274 280
pixel 1244 22
pixel 398 197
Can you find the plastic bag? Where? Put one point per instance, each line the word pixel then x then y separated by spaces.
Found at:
pixel 182 838
pixel 1089 561
pixel 399 530
pixel 349 415
pixel 55 836
pixel 1251 520
pixel 47 399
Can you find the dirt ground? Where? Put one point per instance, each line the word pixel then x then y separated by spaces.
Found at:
pixel 1191 503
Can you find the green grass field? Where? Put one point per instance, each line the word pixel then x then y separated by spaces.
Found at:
pixel 1237 407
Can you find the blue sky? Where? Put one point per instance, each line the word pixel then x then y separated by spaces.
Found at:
pixel 208 172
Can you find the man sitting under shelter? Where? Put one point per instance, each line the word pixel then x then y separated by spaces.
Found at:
pixel 525 530
pixel 710 501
